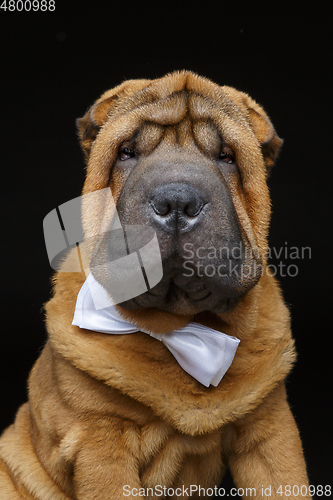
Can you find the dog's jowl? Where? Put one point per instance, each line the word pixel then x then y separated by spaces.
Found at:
pixel 167 352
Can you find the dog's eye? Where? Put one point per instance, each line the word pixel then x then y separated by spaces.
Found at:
pixel 226 157
pixel 126 153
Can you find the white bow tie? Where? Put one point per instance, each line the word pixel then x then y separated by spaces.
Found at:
pixel 204 353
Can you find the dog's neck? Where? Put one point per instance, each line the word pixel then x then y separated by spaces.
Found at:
pixel 146 371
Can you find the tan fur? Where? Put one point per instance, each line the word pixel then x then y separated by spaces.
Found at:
pixel 107 411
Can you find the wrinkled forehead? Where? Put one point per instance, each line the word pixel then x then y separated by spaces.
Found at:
pixel 181 116
pixel 198 135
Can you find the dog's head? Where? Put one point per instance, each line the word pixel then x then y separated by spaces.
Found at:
pixel 190 159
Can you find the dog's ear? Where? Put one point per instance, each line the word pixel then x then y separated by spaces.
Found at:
pixel 260 123
pixel 90 124
pixel 264 131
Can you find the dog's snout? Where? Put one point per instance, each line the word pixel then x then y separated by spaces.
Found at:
pixel 176 205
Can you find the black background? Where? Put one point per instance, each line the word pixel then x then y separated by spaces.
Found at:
pixel 55 64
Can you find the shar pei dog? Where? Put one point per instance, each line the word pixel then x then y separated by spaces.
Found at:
pixel 155 393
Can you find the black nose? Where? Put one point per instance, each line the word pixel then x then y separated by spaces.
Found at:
pixel 176 206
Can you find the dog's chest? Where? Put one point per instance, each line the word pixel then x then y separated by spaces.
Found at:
pixel 163 452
